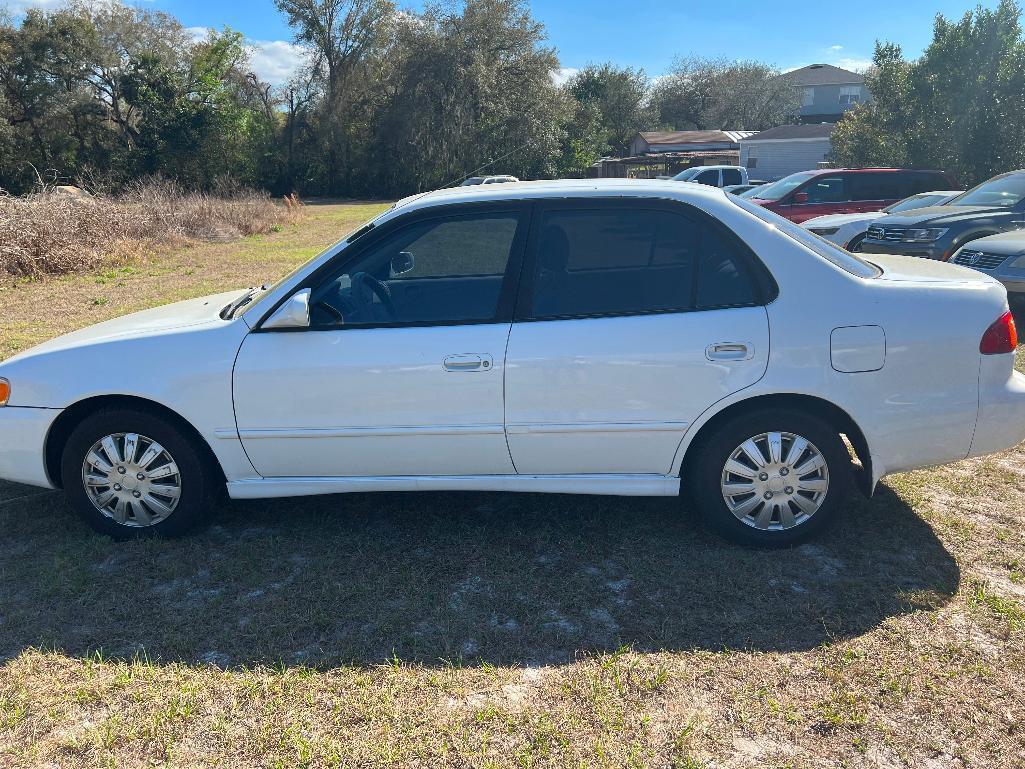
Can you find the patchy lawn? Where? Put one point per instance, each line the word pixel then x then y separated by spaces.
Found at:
pixel 481 630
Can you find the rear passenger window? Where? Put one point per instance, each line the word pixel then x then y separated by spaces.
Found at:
pixel 711 178
pixel 731 176
pixel 616 262
pixel 877 186
pixel 924 182
pixel 827 189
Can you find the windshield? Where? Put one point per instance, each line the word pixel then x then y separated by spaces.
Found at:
pixel 845 260
pixel 690 173
pixel 1005 191
pixel 915 201
pixel 787 184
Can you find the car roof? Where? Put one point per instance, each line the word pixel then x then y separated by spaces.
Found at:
pixel 873 170
pixel 560 188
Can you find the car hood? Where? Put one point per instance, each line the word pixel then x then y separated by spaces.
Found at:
pixel 940 216
pixel 836 220
pixel 148 323
pixel 1006 243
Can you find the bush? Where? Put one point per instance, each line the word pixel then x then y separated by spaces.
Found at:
pixel 54 232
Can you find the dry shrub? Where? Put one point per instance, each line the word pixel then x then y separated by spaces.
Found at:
pixel 54 233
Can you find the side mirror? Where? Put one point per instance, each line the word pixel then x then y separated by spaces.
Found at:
pixel 800 197
pixel 294 313
pixel 402 263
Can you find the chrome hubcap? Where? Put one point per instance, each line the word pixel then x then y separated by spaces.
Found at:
pixel 775 481
pixel 131 479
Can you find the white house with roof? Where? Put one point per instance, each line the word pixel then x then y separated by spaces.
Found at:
pixel 781 151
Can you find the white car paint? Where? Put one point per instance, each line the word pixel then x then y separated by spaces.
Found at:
pixel 605 405
pixel 842 229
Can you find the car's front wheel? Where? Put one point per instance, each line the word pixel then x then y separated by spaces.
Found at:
pixel 132 473
pixel 772 478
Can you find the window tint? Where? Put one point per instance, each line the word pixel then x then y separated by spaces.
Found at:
pixel 925 181
pixel 603 262
pixel 731 176
pixel 441 270
pixel 711 178
pixel 722 281
pixel 876 186
pixel 827 189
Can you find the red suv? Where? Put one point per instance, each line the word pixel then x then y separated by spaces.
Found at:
pixel 808 194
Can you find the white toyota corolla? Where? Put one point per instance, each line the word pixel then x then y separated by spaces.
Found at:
pixel 597 337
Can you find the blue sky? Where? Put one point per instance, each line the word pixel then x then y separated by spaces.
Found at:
pixel 640 33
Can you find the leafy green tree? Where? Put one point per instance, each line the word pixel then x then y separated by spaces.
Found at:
pixel 618 95
pixel 471 92
pixel 958 107
pixel 349 39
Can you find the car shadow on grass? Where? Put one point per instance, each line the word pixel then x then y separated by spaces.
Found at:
pixel 452 577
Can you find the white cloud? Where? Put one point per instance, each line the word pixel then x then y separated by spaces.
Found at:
pixel 853 63
pixel 275 61
pixel 198 34
pixel 563 74
pixel 835 48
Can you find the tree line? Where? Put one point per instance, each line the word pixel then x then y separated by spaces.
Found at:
pixel 388 101
pixel 959 107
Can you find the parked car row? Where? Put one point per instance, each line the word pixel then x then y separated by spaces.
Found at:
pixel 849 230
pixel 897 211
pixel 811 194
pixel 981 229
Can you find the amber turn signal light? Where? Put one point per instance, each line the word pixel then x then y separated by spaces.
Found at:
pixel 5 392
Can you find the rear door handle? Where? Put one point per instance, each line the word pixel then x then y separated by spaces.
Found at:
pixel 468 362
pixel 729 351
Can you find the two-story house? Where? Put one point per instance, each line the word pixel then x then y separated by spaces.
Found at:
pixel 827 92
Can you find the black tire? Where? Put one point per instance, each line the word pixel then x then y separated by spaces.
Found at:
pixel 703 481
pixel 855 245
pixel 198 479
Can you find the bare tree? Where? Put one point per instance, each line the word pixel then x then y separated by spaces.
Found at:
pixel 710 94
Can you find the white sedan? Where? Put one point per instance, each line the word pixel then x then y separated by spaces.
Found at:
pixel 849 230
pixel 596 337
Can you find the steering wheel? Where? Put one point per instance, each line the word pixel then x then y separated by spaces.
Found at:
pixel 364 287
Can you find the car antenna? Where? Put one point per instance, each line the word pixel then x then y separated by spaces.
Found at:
pixel 475 171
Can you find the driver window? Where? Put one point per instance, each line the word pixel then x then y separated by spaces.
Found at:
pixel 441 270
pixel 827 189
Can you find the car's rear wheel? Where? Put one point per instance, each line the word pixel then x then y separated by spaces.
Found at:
pixel 130 473
pixel 771 478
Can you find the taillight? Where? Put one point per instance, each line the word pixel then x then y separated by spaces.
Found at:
pixel 1001 337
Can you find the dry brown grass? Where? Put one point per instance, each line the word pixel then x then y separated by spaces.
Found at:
pixel 492 630
pixel 54 233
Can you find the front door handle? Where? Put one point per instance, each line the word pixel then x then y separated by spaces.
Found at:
pixel 468 362
pixel 729 351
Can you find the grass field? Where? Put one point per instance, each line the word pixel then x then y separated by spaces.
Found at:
pixel 487 630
